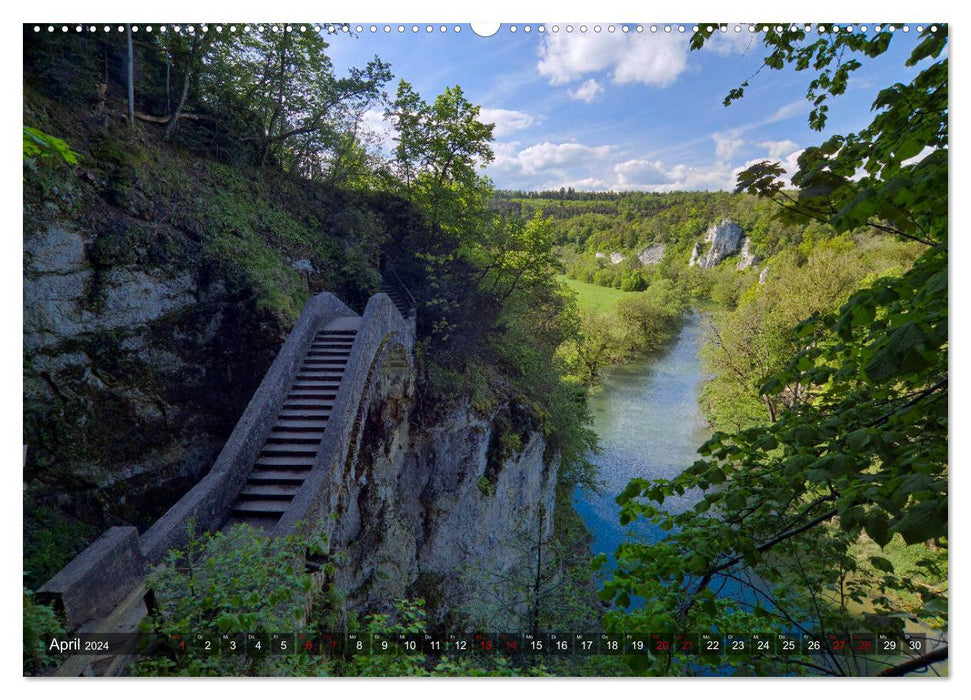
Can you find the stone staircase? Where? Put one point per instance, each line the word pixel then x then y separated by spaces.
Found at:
pixel 275 471
pixel 291 447
pixel 394 291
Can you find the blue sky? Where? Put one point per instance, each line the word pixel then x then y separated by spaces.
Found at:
pixel 622 111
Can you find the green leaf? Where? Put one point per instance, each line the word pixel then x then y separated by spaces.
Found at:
pixel 923 521
pixel 877 527
pixel 882 564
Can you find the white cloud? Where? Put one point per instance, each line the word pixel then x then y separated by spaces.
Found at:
pixel 597 168
pixel 651 59
pixel 727 143
pixel 507 121
pixel 640 173
pixel 716 176
pixel 587 92
pixel 786 111
pixel 588 184
pixel 544 156
pixel 779 149
pixel 376 130
pixel 789 164
pixel 732 42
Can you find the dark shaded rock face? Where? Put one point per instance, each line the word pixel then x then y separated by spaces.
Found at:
pixel 133 377
pixel 725 239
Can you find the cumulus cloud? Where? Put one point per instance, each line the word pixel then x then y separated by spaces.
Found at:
pixel 639 174
pixel 551 165
pixel 716 176
pixel 650 59
pixel 600 168
pixel 789 164
pixel 507 121
pixel 581 166
pixel 588 184
pixel 779 149
pixel 788 110
pixel 587 92
pixel 544 156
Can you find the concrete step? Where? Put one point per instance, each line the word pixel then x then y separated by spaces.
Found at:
pixel 304 394
pixel 305 384
pixel 284 462
pixel 328 352
pixel 268 507
pixel 307 405
pixel 318 415
pixel 288 436
pixel 344 323
pixel 283 492
pixel 318 374
pixel 299 425
pixel 293 477
pixel 289 450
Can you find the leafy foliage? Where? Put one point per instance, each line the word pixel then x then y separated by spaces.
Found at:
pixel 40 623
pixel 860 455
pixel 39 144
pixel 231 582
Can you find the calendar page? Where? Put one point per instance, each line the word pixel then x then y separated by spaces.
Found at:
pixel 534 349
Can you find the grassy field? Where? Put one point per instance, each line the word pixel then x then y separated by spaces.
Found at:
pixel 593 296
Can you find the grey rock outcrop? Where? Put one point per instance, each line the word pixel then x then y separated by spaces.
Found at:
pixel 133 374
pixel 436 512
pixel 745 257
pixel 725 239
pixel 651 255
pixel 616 258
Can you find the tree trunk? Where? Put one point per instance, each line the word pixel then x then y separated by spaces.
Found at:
pixel 176 115
pixel 131 80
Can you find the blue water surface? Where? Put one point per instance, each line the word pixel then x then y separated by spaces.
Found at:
pixel 650 425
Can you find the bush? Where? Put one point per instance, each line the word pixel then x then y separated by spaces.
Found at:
pixel 40 623
pixel 232 582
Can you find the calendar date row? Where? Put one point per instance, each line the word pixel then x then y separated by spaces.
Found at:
pixel 554 643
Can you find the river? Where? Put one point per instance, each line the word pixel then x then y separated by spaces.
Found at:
pixel 650 425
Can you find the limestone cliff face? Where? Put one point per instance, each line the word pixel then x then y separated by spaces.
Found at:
pixel 724 239
pixel 134 374
pixel 745 256
pixel 440 511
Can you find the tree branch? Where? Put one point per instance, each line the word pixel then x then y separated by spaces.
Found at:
pixel 911 665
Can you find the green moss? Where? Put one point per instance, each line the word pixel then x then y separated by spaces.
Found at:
pixel 51 539
pixel 485 486
pixel 251 263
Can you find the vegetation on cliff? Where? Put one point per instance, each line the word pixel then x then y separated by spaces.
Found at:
pixel 850 459
pixel 194 226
